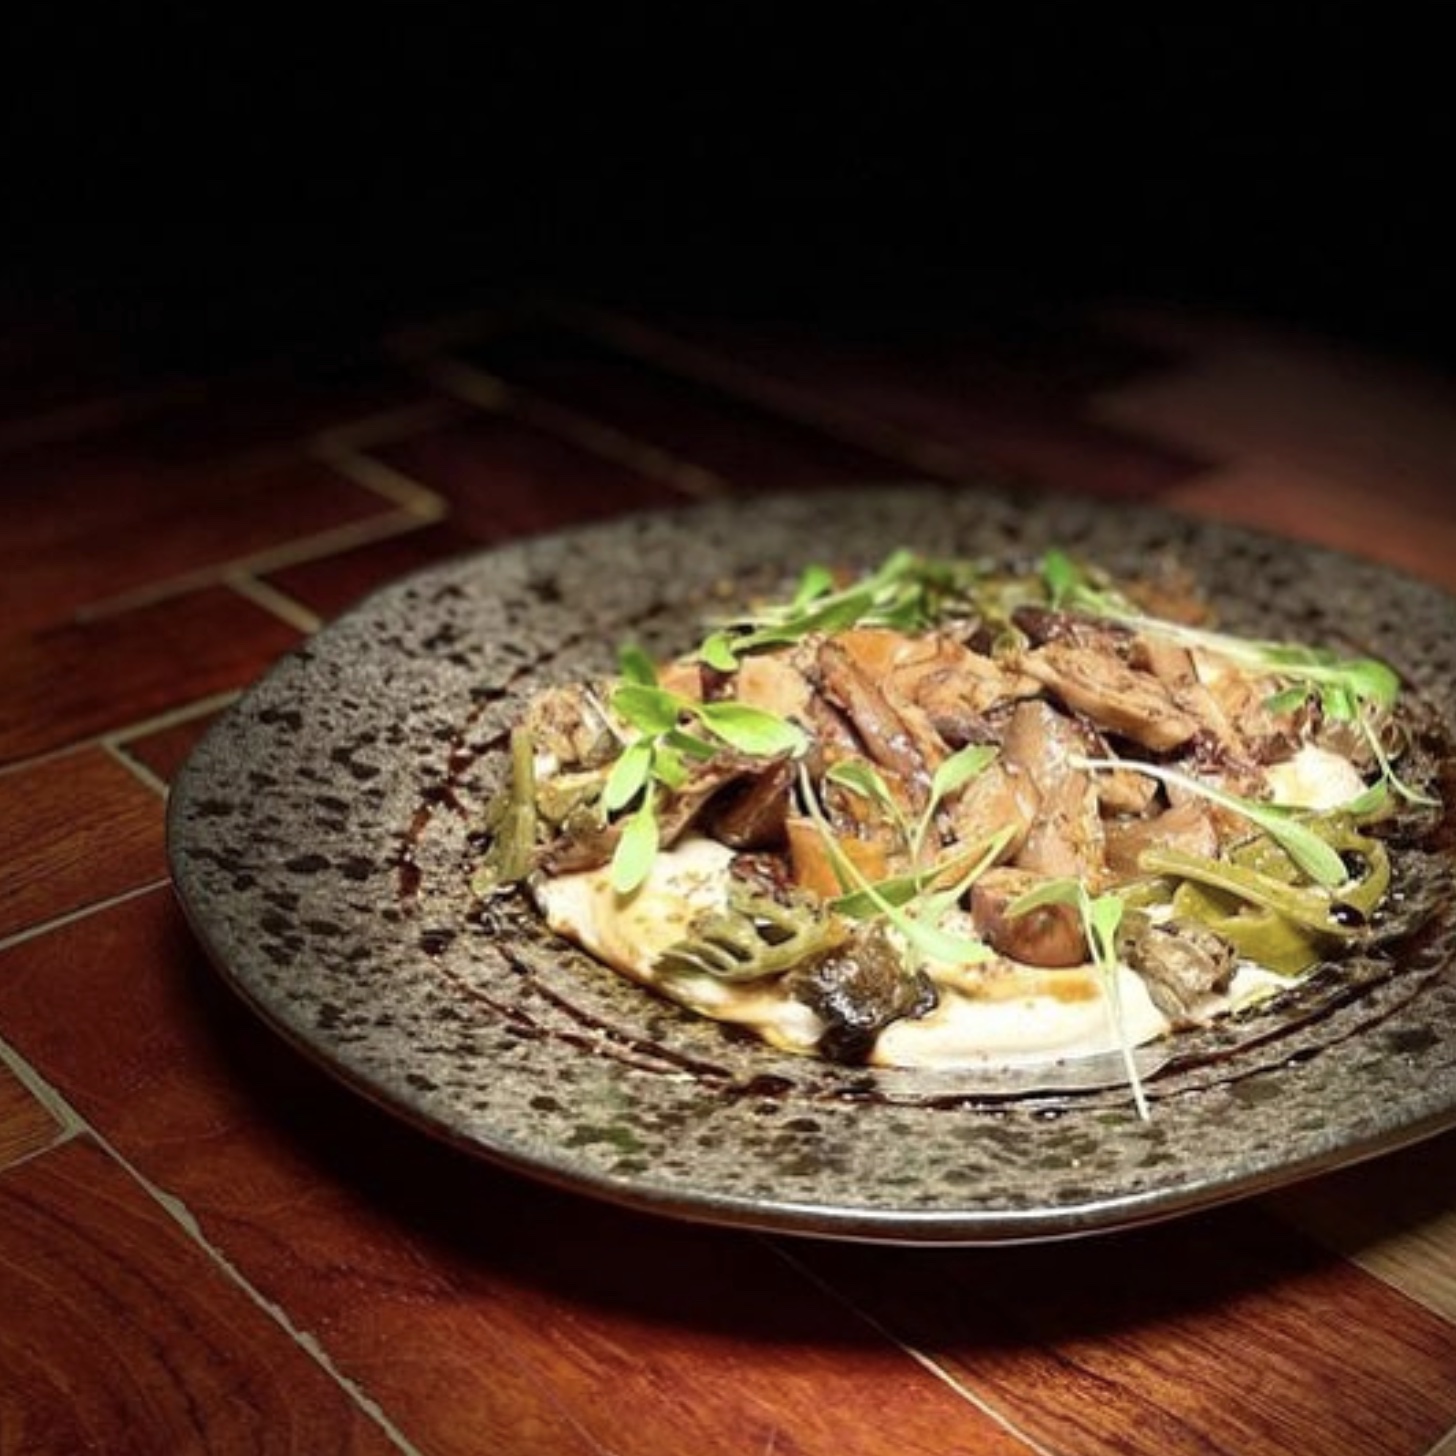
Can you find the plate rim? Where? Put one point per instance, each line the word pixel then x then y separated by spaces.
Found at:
pixel 957 1226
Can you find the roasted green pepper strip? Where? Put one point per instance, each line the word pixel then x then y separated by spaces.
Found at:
pixel 1260 873
pixel 1252 897
pixel 1259 934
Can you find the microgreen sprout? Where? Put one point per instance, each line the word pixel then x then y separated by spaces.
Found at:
pixel 1101 915
pixel 671 732
pixel 906 591
pixel 1347 689
pixel 951 775
pixel 905 905
pixel 864 779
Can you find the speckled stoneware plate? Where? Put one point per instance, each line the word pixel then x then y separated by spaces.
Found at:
pixel 321 837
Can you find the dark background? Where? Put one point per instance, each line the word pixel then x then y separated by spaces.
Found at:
pixel 233 182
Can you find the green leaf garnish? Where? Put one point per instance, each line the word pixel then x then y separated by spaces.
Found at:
pixel 864 779
pixel 750 730
pixel 635 666
pixel 628 776
pixel 717 651
pixel 1344 687
pixel 906 591
pixel 922 932
pixel 1101 915
pixel 951 775
pixel 664 722
pixel 1388 775
pixel 815 582
pixel 650 710
pixel 636 849
pixel 959 769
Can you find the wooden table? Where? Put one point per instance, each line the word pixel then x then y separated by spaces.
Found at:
pixel 206 1245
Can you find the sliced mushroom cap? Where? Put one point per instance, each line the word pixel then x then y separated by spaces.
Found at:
pixel 1065 838
pixel 751 812
pixel 1118 698
pixel 1047 935
pixel 999 798
pixel 849 683
pixel 1188 826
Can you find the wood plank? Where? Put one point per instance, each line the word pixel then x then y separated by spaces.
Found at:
pixel 163 750
pixel 953 405
pixel 119 1334
pixel 1355 517
pixel 1221 1333
pixel 1446 1446
pixel 26 1126
pixel 93 527
pixel 472 1304
pixel 1393 1217
pixel 72 682
pixel 74 830
pixel 753 447
pixel 1318 440
pixel 332 583
pixel 505 478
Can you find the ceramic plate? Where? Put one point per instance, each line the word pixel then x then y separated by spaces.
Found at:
pixel 321 838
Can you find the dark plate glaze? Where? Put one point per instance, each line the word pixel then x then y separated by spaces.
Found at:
pixel 321 836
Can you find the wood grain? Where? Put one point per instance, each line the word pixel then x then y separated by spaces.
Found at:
pixel 943 406
pixel 111 526
pixel 119 1334
pixel 740 442
pixel 334 582
pixel 1347 516
pixel 26 1126
pixel 475 1305
pixel 504 478
pixel 162 750
pixel 81 679
pixel 1219 1333
pixel 1392 1217
pixel 231 1252
pixel 74 830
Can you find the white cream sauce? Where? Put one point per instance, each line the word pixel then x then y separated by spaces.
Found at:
pixel 1314 778
pixel 993 1014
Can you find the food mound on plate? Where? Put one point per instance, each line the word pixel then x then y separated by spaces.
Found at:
pixel 955 813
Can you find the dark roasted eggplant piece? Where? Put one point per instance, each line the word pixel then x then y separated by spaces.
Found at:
pixel 857 989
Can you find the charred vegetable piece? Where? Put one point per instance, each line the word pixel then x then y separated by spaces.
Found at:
pixel 857 989
pixel 1259 934
pixel 754 814
pixel 1182 962
pixel 512 822
pixel 754 937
